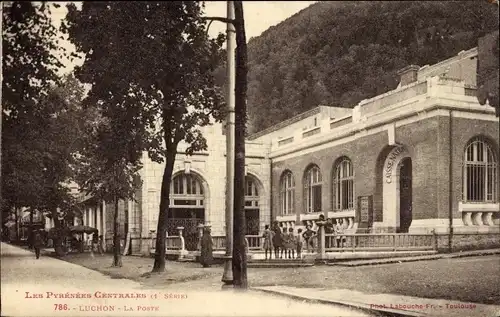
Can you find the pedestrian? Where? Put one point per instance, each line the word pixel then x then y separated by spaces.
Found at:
pixel 268 241
pixel 277 240
pixel 339 231
pixel 206 256
pixel 329 229
pixel 37 243
pixel 300 241
pixel 308 235
pixel 30 239
pixel 100 247
pixel 94 242
pixel 291 244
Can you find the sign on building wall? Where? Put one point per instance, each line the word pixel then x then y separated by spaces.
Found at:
pixel 365 211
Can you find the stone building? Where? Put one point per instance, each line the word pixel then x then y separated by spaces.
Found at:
pixel 419 158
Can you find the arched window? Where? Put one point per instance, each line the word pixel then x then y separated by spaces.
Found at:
pixel 480 173
pixel 312 189
pixel 252 212
pixel 343 186
pixel 186 190
pixel 287 193
pixel 251 193
pixel 186 207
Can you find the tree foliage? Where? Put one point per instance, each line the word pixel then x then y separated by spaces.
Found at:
pixel 339 53
pixel 158 57
pixel 41 115
pixel 31 57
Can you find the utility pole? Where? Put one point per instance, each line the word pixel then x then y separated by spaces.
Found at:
pixel 239 228
pixel 1 113
pixel 227 276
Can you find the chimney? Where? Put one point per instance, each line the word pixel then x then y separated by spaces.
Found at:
pixel 408 75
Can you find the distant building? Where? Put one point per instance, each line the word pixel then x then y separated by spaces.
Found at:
pixel 416 159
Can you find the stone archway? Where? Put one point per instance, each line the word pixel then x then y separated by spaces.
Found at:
pixel 187 206
pixel 254 195
pixel 397 190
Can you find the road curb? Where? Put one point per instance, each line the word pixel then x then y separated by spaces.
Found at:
pixel 352 305
pixel 356 263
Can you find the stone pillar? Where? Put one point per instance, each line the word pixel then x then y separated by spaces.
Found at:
pixel 103 209
pixel 99 215
pixel 321 239
pixel 180 230
pixel 182 248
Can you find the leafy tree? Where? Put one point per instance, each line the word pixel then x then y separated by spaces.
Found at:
pixel 30 60
pixel 159 53
pixel 109 172
pixel 40 115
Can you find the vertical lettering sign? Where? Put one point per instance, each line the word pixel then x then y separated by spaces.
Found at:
pixel 364 208
pixel 391 160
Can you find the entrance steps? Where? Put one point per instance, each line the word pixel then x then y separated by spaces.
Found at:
pixel 372 255
pixel 354 263
pixel 279 263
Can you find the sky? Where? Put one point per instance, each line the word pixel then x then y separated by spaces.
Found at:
pixel 259 16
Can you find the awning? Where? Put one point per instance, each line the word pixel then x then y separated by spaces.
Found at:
pixel 37 218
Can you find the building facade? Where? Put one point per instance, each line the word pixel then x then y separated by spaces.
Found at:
pixel 420 158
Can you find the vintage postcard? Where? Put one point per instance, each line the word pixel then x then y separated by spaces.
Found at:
pixel 244 158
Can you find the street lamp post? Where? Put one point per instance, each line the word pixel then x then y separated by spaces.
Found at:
pixel 227 277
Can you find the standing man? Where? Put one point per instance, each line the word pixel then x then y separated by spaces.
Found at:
pixel 206 256
pixel 329 229
pixel 37 243
pixel 308 235
pixel 339 231
pixel 100 243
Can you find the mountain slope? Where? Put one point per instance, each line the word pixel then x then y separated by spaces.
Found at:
pixel 339 53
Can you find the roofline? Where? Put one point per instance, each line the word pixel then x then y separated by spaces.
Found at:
pixel 285 123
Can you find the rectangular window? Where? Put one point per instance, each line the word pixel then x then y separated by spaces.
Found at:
pixel 316 198
pixel 184 202
pixel 476 182
pixel 309 200
pixel 351 194
pixel 345 194
pixel 491 183
pixel 189 185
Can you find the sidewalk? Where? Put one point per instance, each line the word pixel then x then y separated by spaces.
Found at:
pixel 354 263
pixel 386 303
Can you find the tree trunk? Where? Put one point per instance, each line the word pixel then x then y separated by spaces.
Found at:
pixel 239 228
pixel 58 245
pixel 117 259
pixel 160 253
pixel 17 223
pixel 30 230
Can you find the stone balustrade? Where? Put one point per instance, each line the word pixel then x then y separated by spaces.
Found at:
pixel 480 215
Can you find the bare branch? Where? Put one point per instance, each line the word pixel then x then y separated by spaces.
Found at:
pixel 208 27
pixel 220 19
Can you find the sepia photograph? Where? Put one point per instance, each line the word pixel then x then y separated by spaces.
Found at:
pixel 250 158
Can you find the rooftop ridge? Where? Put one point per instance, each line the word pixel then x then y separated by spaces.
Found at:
pixel 286 122
pixel 429 68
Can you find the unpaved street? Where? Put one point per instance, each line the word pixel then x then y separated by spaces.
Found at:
pixel 50 287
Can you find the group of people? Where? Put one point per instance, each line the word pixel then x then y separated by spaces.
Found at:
pixel 94 243
pixel 337 229
pixel 285 242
